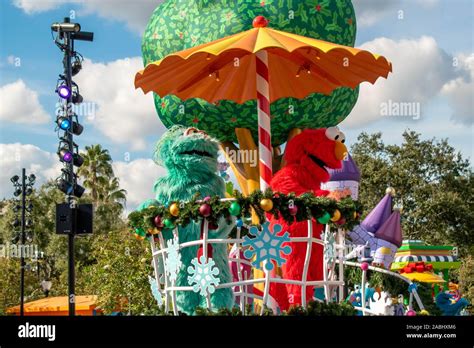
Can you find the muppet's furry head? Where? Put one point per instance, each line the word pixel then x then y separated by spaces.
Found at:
pixel 187 150
pixel 316 150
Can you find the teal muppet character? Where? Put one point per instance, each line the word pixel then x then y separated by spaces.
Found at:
pixel 190 157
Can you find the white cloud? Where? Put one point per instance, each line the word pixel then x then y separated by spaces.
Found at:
pixel 20 104
pixel 460 92
pixel 369 12
pixel 13 157
pixel 138 177
pixel 134 13
pixel 123 114
pixel 420 69
pixel 37 6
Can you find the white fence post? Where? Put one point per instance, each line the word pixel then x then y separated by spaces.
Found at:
pixel 309 245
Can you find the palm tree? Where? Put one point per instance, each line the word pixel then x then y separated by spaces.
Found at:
pixel 111 193
pixel 96 170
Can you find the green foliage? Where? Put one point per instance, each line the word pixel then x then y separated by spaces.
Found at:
pixel 466 278
pixel 432 180
pixel 119 275
pixel 316 308
pixel 175 26
pixel 425 292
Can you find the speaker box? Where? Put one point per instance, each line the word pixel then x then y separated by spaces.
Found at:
pixel 84 218
pixel 65 217
pixel 74 220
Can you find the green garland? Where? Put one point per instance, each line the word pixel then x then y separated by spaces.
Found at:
pixel 307 206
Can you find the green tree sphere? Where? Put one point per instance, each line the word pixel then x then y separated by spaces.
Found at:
pixel 180 24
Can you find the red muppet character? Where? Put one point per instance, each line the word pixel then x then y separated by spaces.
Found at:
pixel 307 156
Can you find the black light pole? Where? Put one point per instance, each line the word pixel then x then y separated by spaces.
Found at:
pixel 70 167
pixel 67 33
pixel 24 189
pixel 22 249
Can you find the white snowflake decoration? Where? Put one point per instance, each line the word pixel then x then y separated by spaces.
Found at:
pixel 173 259
pixel 266 246
pixel 203 275
pixel 154 291
pixel 329 241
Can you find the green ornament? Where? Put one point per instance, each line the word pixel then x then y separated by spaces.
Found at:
pixel 234 209
pixel 168 223
pixel 324 219
pixel 140 233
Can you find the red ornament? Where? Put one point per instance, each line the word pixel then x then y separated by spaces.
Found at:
pixel 293 210
pixel 157 221
pixel 260 22
pixel 205 210
pixel 341 221
pixel 318 8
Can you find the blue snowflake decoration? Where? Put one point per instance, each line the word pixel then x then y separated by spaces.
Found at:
pixel 173 259
pixel 202 275
pixel 266 246
pixel 329 250
pixel 154 290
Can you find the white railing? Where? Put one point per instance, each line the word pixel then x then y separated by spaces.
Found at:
pixel 331 282
pixel 330 278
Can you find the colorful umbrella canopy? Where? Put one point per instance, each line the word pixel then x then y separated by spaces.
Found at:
pixel 225 69
pixel 263 64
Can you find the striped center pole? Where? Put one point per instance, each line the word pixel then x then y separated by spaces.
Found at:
pixel 264 130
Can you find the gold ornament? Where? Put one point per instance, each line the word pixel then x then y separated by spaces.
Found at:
pixel 390 191
pixel 174 209
pixel 336 216
pixel 153 231
pixel 266 204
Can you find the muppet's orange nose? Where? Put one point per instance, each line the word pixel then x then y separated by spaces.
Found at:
pixel 340 150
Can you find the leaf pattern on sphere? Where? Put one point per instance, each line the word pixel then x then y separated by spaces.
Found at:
pixel 208 20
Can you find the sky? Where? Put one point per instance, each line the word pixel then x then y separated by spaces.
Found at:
pixel 429 42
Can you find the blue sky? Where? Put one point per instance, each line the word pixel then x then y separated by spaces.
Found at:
pixel 423 41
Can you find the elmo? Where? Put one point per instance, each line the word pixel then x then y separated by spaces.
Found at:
pixel 307 156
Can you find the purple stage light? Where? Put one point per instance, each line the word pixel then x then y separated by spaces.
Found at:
pixel 65 155
pixel 64 91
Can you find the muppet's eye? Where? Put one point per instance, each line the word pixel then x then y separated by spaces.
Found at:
pixel 332 133
pixel 342 137
pixel 190 131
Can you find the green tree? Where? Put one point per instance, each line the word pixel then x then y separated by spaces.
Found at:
pixel 96 170
pixel 120 274
pixel 432 181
